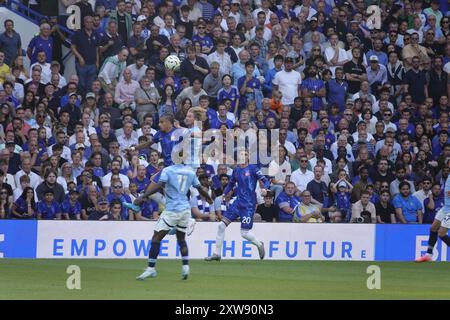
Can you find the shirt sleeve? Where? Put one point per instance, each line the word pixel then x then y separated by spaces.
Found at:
pixel 163 177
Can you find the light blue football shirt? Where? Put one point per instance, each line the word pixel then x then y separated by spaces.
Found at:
pixel 446 207
pixel 178 179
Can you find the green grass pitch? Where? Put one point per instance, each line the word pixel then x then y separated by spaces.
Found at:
pixel 115 279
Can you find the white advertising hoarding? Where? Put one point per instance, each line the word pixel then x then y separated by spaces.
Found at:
pixel 132 240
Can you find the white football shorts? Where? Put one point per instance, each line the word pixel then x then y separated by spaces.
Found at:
pixel 169 220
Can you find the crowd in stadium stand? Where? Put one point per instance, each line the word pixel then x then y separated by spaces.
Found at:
pixel 359 101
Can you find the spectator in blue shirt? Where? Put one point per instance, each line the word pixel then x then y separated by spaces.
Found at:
pixel 407 207
pixel 337 89
pixel 25 206
pixel 49 209
pixel 43 41
pixel 10 42
pixel 278 62
pixel 71 205
pixel 230 92
pixel 314 88
pixel 249 86
pixel 149 211
pixel 287 201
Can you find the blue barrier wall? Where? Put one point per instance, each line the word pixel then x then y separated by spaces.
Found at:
pixel 32 239
pixel 18 239
pixel 405 243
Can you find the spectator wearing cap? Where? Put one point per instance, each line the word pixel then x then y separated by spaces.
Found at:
pixel 72 205
pixel 376 74
pixel 101 210
pixel 10 42
pixel 378 52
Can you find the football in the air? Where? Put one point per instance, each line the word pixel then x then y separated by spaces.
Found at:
pixel 172 62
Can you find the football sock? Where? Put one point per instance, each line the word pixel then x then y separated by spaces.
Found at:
pixel 432 241
pixel 446 239
pixel 247 235
pixel 219 238
pixel 153 254
pixel 184 252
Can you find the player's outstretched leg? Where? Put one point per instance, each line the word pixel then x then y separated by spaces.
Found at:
pixel 184 255
pixel 219 242
pixel 431 241
pixel 150 272
pixel 247 235
pixel 443 235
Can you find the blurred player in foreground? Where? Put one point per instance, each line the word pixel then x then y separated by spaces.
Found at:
pixel 440 225
pixel 246 176
pixel 176 181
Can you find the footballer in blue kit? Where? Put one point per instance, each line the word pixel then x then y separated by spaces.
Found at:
pixel 176 181
pixel 167 137
pixel 440 225
pixel 246 176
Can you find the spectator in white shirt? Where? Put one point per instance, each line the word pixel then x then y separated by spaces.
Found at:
pixel 128 138
pixel 45 67
pixel 302 176
pixel 35 179
pixel 115 170
pixel 221 57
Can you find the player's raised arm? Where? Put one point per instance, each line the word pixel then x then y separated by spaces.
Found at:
pixel 261 177
pixel 152 188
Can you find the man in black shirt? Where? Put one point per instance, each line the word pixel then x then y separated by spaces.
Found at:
pixel 102 211
pixel 384 209
pixel 267 210
pixel 354 71
pixel 415 82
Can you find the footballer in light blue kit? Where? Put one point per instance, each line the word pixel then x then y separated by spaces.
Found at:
pixel 440 225
pixel 176 181
pixel 246 176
